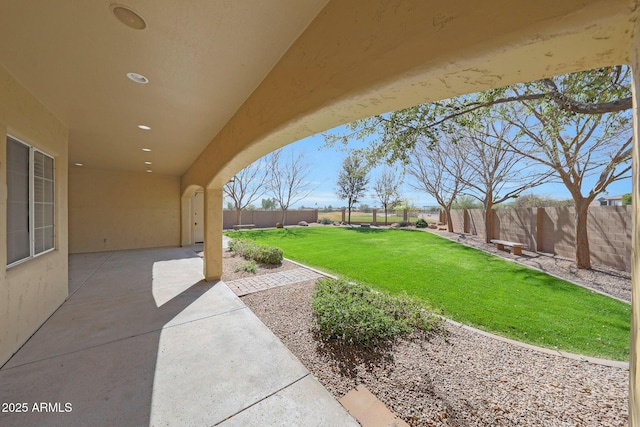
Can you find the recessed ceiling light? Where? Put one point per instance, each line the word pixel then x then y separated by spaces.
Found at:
pixel 144 127
pixel 148 163
pixel 79 164
pixel 128 17
pixel 138 78
pixel 149 170
pixel 146 149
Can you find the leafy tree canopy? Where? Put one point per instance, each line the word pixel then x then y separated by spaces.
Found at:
pixel 395 134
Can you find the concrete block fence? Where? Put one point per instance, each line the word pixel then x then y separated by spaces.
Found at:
pixel 268 219
pixel 551 230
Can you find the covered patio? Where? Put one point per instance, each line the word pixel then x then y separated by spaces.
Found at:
pixel 144 340
pixel 135 109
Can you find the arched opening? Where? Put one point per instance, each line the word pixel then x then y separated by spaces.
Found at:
pixel 192 215
pixel 314 93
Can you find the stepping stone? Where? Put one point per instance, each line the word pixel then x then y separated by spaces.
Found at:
pixel 365 407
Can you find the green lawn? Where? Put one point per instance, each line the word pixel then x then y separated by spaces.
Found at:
pixel 469 285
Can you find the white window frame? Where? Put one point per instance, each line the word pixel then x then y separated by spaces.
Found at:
pixel 32 203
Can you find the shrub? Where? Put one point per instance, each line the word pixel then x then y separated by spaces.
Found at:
pixel 269 255
pixel 356 314
pixel 421 223
pixel 234 245
pixel 404 224
pixel 326 221
pixel 251 251
pixel 244 248
pixel 249 267
pixel 279 225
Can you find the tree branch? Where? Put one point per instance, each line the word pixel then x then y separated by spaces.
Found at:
pixel 574 106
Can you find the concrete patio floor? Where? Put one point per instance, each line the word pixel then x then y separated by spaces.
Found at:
pixel 143 340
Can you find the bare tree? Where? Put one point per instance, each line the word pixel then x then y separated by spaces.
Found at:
pixel 246 186
pixel 440 171
pixel 576 147
pixel 387 189
pixel 288 180
pixel 352 180
pixel 497 174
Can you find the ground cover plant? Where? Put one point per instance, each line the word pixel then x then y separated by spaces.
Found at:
pixel 469 285
pixel 249 267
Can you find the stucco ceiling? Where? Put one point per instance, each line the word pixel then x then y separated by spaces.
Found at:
pixel 203 58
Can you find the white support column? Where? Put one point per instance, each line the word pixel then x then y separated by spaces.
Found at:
pixel 213 233
pixel 634 380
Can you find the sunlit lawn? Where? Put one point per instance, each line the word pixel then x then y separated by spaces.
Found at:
pixel 469 285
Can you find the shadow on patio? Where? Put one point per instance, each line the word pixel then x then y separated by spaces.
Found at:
pixel 143 340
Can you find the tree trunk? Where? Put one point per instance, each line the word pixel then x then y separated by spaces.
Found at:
pixel 385 215
pixel 488 224
pixel 284 217
pixel 239 216
pixel 583 253
pixel 447 212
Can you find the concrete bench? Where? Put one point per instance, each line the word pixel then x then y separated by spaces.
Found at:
pixel 500 244
pixel 239 226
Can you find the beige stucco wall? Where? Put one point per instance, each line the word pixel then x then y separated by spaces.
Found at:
pixel 31 291
pixel 129 209
pixel 366 57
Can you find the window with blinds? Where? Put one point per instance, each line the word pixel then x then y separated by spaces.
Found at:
pixel 30 202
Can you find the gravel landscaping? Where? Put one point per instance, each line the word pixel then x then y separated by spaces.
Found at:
pixel 465 379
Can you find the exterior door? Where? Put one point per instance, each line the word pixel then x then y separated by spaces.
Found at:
pixel 197 216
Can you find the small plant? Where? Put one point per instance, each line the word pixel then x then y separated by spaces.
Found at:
pixel 234 245
pixel 356 314
pixel 244 248
pixel 421 223
pixel 249 266
pixel 326 221
pixel 404 224
pixel 279 225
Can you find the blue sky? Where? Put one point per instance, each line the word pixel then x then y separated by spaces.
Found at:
pixel 325 165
